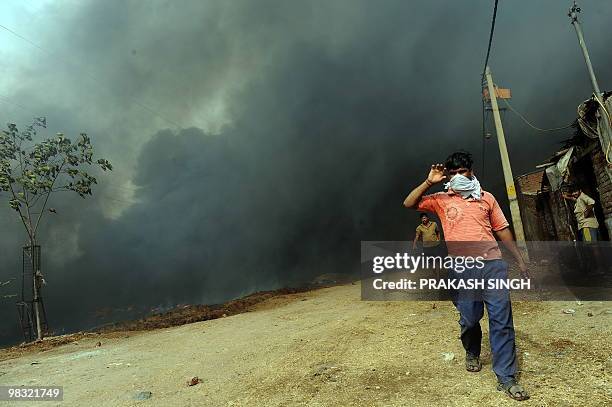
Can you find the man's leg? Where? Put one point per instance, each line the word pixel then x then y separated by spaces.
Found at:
pixel 431 256
pixel 598 261
pixel 471 334
pixel 501 326
pixel 593 263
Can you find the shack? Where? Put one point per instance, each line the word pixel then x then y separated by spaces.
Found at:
pixel 584 160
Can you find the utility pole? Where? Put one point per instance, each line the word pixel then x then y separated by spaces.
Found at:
pixel 515 212
pixel 573 15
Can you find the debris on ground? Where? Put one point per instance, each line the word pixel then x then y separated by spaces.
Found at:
pixel 143 395
pixel 193 381
pixel 448 356
pixel 569 311
pixel 327 372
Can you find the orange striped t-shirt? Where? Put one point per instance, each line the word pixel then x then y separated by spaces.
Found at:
pixel 469 221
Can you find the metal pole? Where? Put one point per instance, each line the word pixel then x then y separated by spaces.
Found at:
pixel 573 15
pixel 515 212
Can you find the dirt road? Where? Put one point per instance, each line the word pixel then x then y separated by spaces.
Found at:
pixel 329 348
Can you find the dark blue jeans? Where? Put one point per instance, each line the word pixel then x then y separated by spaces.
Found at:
pixel 471 303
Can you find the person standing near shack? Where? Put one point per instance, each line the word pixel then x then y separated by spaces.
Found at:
pixel 470 217
pixel 584 210
pixel 585 214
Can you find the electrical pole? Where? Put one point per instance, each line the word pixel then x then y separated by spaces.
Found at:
pixel 573 15
pixel 515 212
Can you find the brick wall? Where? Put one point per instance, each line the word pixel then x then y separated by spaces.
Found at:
pixel 604 186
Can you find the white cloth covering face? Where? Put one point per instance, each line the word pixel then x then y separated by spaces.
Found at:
pixel 464 186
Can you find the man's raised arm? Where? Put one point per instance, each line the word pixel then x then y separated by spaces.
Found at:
pixel 436 175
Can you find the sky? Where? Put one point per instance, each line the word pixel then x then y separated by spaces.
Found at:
pixel 255 144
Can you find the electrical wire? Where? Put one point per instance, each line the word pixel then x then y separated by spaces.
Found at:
pixel 482 84
pixel 490 38
pixel 92 77
pixel 531 124
pixel 16 34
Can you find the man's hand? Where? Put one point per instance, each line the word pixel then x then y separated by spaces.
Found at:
pixel 436 174
pixel 523 268
pixel 567 196
pixel 508 240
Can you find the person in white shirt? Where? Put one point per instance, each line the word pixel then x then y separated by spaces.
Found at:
pixel 585 214
pixel 589 229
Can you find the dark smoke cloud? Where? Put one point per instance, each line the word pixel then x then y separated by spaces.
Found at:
pixel 304 126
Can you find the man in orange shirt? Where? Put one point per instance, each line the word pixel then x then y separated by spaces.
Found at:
pixel 470 217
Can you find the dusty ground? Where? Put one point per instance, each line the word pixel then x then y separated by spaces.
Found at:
pixel 327 348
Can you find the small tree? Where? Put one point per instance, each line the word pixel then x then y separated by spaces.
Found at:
pixel 30 172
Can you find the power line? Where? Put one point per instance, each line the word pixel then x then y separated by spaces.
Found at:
pixel 92 77
pixel 16 34
pixel 482 80
pixel 532 125
pixel 490 38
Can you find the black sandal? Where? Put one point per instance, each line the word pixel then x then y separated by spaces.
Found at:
pixel 513 390
pixel 472 363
